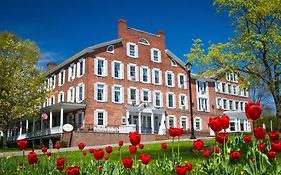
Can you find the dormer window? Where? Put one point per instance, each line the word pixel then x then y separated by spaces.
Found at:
pixel 110 49
pixel 174 63
pixel 143 41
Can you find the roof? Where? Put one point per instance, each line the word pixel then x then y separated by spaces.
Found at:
pixel 81 53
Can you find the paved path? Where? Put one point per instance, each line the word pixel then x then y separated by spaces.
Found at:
pixel 19 153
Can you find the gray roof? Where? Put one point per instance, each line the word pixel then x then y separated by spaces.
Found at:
pixel 81 53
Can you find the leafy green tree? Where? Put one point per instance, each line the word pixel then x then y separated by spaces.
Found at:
pixel 254 51
pixel 22 84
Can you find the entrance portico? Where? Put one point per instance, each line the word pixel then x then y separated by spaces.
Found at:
pixel 147 119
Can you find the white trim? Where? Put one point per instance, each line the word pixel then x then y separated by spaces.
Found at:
pixel 107 49
pixel 184 85
pixel 105 66
pixel 142 95
pixel 77 92
pixel 59 94
pixel 147 44
pixel 121 94
pixel 148 74
pixel 63 78
pixel 167 99
pixel 135 50
pixel 71 68
pixel 186 118
pixel 153 76
pixel 158 55
pixel 200 123
pixel 69 98
pixel 130 101
pixel 174 121
pixel 121 69
pixel 185 107
pixel 154 98
pixel 78 67
pixel 172 78
pixel 105 120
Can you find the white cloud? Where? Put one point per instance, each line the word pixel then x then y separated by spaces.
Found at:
pixel 46 57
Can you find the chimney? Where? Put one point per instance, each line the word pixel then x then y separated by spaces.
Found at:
pixel 122 27
pixel 161 33
pixel 50 66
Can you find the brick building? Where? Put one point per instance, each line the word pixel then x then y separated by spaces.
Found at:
pixel 132 83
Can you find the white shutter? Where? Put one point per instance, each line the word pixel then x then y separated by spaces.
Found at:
pixel 151 54
pixel 128 72
pixel 112 69
pixel 54 81
pixel 185 81
pixel 153 75
pixel 161 99
pixel 173 80
pixel 83 92
pixel 137 73
pixel 166 78
pixel 105 93
pixel 69 68
pixel 122 71
pixel 112 94
pixel 68 95
pixel 105 118
pixel 128 49
pixel 154 98
pixel 179 83
pixel 136 51
pixel 105 68
pixel 74 71
pixel 122 94
pixel 148 75
pixel 141 96
pixel 77 94
pixel 83 72
pixel 96 118
pixel 63 77
pixel 149 96
pixel 96 66
pixel 78 69
pixel 137 97
pixel 160 77
pixel 129 96
pixel 174 101
pixel 60 83
pixel 185 102
pixel 180 106
pixel 141 74
pixel 159 55
pixel 73 95
pixel 167 100
pixel 96 91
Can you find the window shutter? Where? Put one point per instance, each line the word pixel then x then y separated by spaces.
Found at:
pixel 128 72
pixel 60 83
pixel 173 80
pixel 78 69
pixel 112 94
pixel 83 66
pixel 83 92
pixel 148 76
pixel 105 93
pixel 161 99
pixel 68 93
pixel 73 95
pixel 105 68
pixel 160 77
pixel 63 78
pixel 77 94
pixel 74 71
pixel 136 51
pixel 141 74
pixel 137 97
pixel 129 96
pixel 69 68
pixel 154 98
pixel 105 118
pixel 159 55
pixel 166 78
pixel 96 91
pixel 151 54
pixel 167 100
pixel 122 94
pixel 185 81
pixel 180 106
pixel 153 76
pixel 96 66
pixel 112 69
pixel 179 83
pixel 96 118
pixel 128 49
pixel 137 73
pixel 141 95
pixel 149 96
pixel 174 100
pixel 54 81
pixel 122 71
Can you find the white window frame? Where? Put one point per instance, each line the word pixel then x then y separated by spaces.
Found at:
pixel 105 117
pixel 172 76
pixel 105 72
pixel 63 78
pixel 59 95
pixel 158 55
pixel 69 98
pixel 121 69
pixel 108 47
pixel 78 93
pixel 50 101
pixel 181 124
pixel 223 107
pixel 153 76
pixel 219 105
pixel 135 50
pixel 121 94
pixel 185 102
pixel 144 43
pixel 174 63
pixel 149 95
pixel 174 121
pixel 148 74
pixel 154 98
pixel 184 85
pixel 105 92
pixel 71 68
pixel 130 101
pixel 200 123
pixel 129 77
pixel 81 60
pixel 53 81
pixel 167 100
pixel 205 106
pixel 217 86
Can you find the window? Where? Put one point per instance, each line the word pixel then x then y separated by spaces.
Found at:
pixel 155 55
pixel 229 88
pixel 80 93
pixel 232 77
pixel 172 122
pixel 170 81
pixel 197 124
pixel 237 105
pixel 100 92
pixel 234 89
pixel 230 104
pixel 201 87
pixel 53 81
pixel 217 86
pixel 203 104
pixel 241 106
pixel 133 95
pixel 61 97
pixel 145 74
pixel 146 95
pixel 61 77
pixel 244 92
pixel 132 71
pixel 117 70
pixel 225 104
pixel 219 106
pixel 223 87
pixel 71 72
pixel 182 81
pixel 52 100
pixel 171 100
pixel 81 67
pixel 70 95
pixel 117 94
pixel 183 101
pixel 232 125
pixel 110 49
pixel 100 117
pixel 156 76
pixel 157 99
pixel 132 50
pixel 143 41
pixel 101 66
pixel 174 63
pixel 183 121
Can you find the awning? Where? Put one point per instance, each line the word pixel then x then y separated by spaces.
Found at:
pixel 145 108
pixel 236 114
pixel 67 107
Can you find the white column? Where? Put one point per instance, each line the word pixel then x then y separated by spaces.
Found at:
pixel 127 117
pixel 51 119
pixel 20 128
pixel 139 122
pixel 152 123
pixel 61 118
pixel 8 133
pixel 26 128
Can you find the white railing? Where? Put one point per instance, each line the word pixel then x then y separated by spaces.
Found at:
pixel 127 128
pixel 106 129
pixel 55 130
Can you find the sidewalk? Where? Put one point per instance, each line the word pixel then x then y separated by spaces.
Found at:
pixel 75 148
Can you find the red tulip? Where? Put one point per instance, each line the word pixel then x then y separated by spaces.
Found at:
pixel 81 146
pixel 57 145
pixel 261 147
pixel 181 170
pixel 179 132
pixel 22 144
pixel 188 167
pixel 235 155
pixel 100 168
pixel 135 138
pixel 108 149
pixel 120 142
pixel 127 162
pixel 259 133
pixel 132 149
pixel 274 135
pixel 271 154
pixel 216 149
pixel 98 154
pixel 91 150
pixel 164 146
pixel 106 157
pixel 145 158
pixel 44 149
pixel 206 154
pixel 276 146
pixel 73 170
pixel 84 153
pixel 247 139
pixel 215 124
pixel 198 144
pixel 225 122
pixel 32 158
pixel 60 163
pixel 21 164
pixel 173 132
pixel 141 146
pixel 253 110
pixel 48 154
pixel 221 138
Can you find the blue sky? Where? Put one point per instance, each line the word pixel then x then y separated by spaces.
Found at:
pixel 61 28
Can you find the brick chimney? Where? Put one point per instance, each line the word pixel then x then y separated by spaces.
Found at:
pixel 51 66
pixel 122 27
pixel 161 33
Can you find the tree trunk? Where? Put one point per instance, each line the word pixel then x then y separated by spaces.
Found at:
pixel 278 115
pixel 5 134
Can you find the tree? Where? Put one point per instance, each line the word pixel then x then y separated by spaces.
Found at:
pixel 22 84
pixel 254 52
